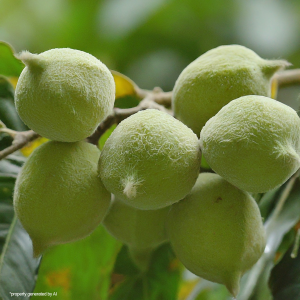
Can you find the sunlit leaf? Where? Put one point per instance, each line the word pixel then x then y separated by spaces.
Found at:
pixel 27 150
pixel 124 85
pixel 79 270
pixel 274 88
pixel 9 64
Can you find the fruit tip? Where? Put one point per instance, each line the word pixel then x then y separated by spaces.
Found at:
pixel 233 284
pixel 270 67
pixel 32 61
pixel 38 248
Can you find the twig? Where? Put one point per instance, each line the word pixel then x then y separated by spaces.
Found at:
pixel 21 139
pixel 119 115
pixel 287 77
pixel 157 95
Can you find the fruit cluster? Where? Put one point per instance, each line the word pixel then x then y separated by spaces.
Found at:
pixel 151 162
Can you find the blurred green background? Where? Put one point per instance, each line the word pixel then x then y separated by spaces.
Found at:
pixel 151 41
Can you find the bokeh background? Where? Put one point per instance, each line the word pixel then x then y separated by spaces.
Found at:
pixel 151 41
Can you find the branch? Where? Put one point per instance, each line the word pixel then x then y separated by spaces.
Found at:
pixel 157 95
pixel 21 139
pixel 119 115
pixel 287 77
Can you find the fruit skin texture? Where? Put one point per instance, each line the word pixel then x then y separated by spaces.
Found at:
pixel 58 196
pixel 141 230
pixel 63 94
pixel 217 77
pixel 253 142
pixel 151 160
pixel 216 231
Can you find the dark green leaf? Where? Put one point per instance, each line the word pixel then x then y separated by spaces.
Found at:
pixel 127 101
pixel 160 282
pixel 285 278
pixel 9 64
pixel 80 270
pixel 8 113
pixel 268 200
pixel 17 266
pixel 277 225
pixel 8 174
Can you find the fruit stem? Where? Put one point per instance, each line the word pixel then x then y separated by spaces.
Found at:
pixel 32 61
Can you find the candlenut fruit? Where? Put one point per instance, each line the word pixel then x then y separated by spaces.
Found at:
pixel 141 230
pixel 63 94
pixel 217 77
pixel 253 142
pixel 58 195
pixel 151 160
pixel 216 231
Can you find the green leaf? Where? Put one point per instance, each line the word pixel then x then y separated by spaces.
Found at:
pixel 17 266
pixel 8 174
pixel 8 113
pixel 285 279
pixel 79 270
pixel 9 64
pixel 11 165
pixel 276 226
pixel 160 282
pixel 105 136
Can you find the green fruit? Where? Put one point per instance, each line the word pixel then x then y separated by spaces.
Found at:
pixel 58 196
pixel 141 230
pixel 63 94
pixel 151 160
pixel 217 77
pixel 216 231
pixel 253 142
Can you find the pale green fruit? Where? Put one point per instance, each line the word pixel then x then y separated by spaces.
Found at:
pixel 151 160
pixel 63 94
pixel 253 142
pixel 141 230
pixel 58 196
pixel 216 231
pixel 217 77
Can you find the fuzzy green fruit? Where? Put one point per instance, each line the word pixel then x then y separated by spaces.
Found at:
pixel 141 230
pixel 63 94
pixel 216 231
pixel 217 77
pixel 253 142
pixel 151 160
pixel 58 196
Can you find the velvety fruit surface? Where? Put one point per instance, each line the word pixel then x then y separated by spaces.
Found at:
pixel 253 142
pixel 58 196
pixel 151 160
pixel 216 231
pixel 217 77
pixel 138 228
pixel 141 230
pixel 63 94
